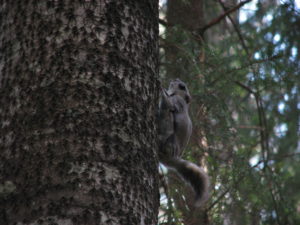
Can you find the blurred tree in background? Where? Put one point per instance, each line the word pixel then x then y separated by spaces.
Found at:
pixel 240 60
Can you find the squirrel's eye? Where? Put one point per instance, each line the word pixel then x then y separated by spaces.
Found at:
pixel 181 86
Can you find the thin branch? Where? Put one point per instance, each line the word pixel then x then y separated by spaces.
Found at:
pixel 251 64
pixel 218 199
pixel 249 127
pixel 245 87
pixel 222 16
pixel 214 21
pixel 237 30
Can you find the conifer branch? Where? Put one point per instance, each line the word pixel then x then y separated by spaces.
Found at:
pixel 222 16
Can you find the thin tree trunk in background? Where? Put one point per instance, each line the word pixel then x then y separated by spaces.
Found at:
pixel 218 32
pixel 189 16
pixel 78 91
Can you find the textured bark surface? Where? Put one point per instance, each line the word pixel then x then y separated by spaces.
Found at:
pixel 78 90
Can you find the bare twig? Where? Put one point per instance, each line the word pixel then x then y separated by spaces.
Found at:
pixel 222 16
pixel 251 64
pixel 213 22
pixel 236 29
pixel 249 127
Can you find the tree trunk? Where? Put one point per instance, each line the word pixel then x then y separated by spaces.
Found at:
pixel 78 93
pixel 188 16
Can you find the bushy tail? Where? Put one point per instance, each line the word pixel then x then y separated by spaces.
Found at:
pixel 194 175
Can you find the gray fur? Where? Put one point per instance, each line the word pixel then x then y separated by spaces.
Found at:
pixel 174 130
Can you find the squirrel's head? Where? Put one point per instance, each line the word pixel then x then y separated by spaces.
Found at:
pixel 177 87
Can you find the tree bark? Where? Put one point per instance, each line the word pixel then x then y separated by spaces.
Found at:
pixel 78 93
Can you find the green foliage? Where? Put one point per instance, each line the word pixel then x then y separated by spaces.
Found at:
pixel 246 112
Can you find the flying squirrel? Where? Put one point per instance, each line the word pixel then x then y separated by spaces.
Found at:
pixel 174 132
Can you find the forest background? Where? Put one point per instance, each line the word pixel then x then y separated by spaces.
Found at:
pixel 240 60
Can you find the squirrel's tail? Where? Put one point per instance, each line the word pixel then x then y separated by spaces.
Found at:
pixel 194 175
